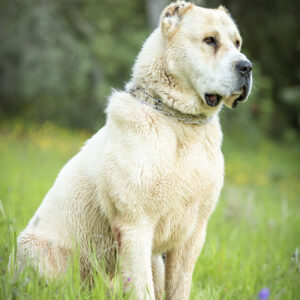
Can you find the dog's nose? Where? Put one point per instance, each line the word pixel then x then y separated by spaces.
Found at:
pixel 244 67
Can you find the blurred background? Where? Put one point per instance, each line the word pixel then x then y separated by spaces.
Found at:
pixel 59 60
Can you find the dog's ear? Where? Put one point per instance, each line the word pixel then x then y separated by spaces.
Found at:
pixel 223 8
pixel 172 15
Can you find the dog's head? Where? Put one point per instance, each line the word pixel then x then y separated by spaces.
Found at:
pixel 203 50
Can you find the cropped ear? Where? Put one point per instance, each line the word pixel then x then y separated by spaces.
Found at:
pixel 223 8
pixel 172 15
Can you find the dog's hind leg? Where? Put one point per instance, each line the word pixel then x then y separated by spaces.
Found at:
pixel 50 260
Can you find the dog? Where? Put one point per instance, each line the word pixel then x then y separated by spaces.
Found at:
pixel 149 180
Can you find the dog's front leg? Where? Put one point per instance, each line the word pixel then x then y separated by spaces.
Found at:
pixel 158 273
pixel 180 263
pixel 135 248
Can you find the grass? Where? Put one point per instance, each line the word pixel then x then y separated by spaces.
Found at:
pixel 252 239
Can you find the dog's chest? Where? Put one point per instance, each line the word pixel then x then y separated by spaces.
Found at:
pixel 170 179
pixel 189 174
pixel 175 227
pixel 186 193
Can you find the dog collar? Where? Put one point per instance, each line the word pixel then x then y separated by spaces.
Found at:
pixel 157 104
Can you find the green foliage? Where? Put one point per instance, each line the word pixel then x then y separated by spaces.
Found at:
pixel 59 61
pixel 252 236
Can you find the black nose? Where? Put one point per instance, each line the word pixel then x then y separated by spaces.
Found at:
pixel 244 67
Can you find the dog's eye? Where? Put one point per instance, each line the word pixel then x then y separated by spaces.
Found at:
pixel 210 41
pixel 237 43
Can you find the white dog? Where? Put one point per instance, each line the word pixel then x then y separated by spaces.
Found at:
pixel 151 177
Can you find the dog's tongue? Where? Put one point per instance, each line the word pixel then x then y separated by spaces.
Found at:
pixel 213 99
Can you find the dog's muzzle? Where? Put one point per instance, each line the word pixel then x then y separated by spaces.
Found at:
pixel 244 69
pixel 245 91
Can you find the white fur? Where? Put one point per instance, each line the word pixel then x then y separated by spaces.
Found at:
pixel 145 180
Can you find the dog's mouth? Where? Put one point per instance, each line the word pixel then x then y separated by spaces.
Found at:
pixel 242 97
pixel 240 94
pixel 212 100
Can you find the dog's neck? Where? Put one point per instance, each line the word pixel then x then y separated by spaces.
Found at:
pixel 150 72
pixel 145 98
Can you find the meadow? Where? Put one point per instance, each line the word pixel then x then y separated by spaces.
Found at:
pixel 253 239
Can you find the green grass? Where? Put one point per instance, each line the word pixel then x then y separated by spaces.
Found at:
pixel 252 236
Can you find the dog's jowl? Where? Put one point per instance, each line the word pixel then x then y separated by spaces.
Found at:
pixel 148 181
